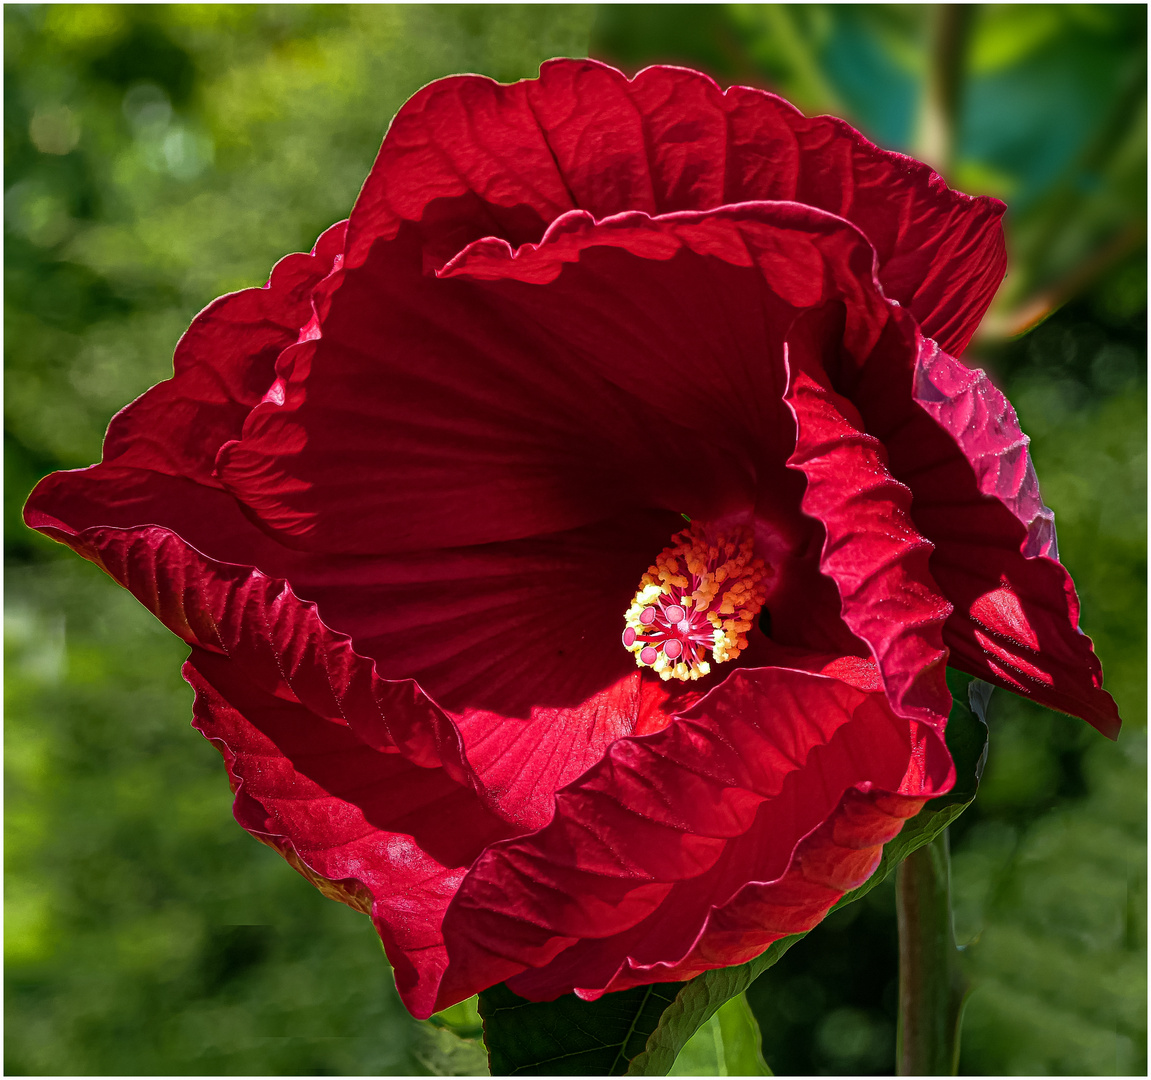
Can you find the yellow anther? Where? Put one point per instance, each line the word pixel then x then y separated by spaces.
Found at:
pixel 719 583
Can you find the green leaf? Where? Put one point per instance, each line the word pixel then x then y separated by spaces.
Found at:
pixel 449 1043
pixel 570 1036
pixel 727 1045
pixel 642 1031
pixel 462 1019
pixel 443 1053
pixel 695 1005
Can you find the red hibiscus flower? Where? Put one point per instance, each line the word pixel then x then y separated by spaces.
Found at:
pixel 418 506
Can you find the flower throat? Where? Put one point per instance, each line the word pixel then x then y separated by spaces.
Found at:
pixel 702 595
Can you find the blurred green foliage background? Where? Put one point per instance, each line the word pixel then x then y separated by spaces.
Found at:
pixel 157 156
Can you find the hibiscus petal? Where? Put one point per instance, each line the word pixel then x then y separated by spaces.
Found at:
pixel 425 418
pixel 223 366
pixel 1016 620
pixel 689 312
pixel 840 855
pixel 517 643
pixel 312 735
pixel 370 828
pixel 671 140
pixel 280 683
pixel 467 157
pixel 708 311
pixel 955 441
pixel 710 308
pixel 662 810
pixel 872 550
pixel 231 608
pixel 685 313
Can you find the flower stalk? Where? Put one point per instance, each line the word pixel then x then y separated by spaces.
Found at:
pixel 932 988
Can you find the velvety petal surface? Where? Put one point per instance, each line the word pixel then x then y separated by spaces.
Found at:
pixel 872 551
pixel 503 662
pixel 840 855
pixel 769 752
pixel 425 417
pixel 975 497
pixel 467 624
pixel 438 411
pixel 306 726
pixel 708 305
pixel 519 642
pixel 241 612
pixel 223 366
pixel 467 158
pixel 285 680
pixel 383 831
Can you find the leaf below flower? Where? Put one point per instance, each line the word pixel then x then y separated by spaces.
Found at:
pixel 570 1036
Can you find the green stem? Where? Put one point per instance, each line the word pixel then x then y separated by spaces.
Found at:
pixel 932 989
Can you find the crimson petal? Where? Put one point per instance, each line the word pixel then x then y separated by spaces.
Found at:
pixel 710 310
pixel 955 441
pixel 234 608
pixel 369 828
pixel 466 157
pixel 1016 620
pixel 872 550
pixel 671 140
pixel 688 312
pixel 840 855
pixel 424 417
pixel 452 621
pixel 312 736
pixel 224 364
pixel 478 629
pixel 662 810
